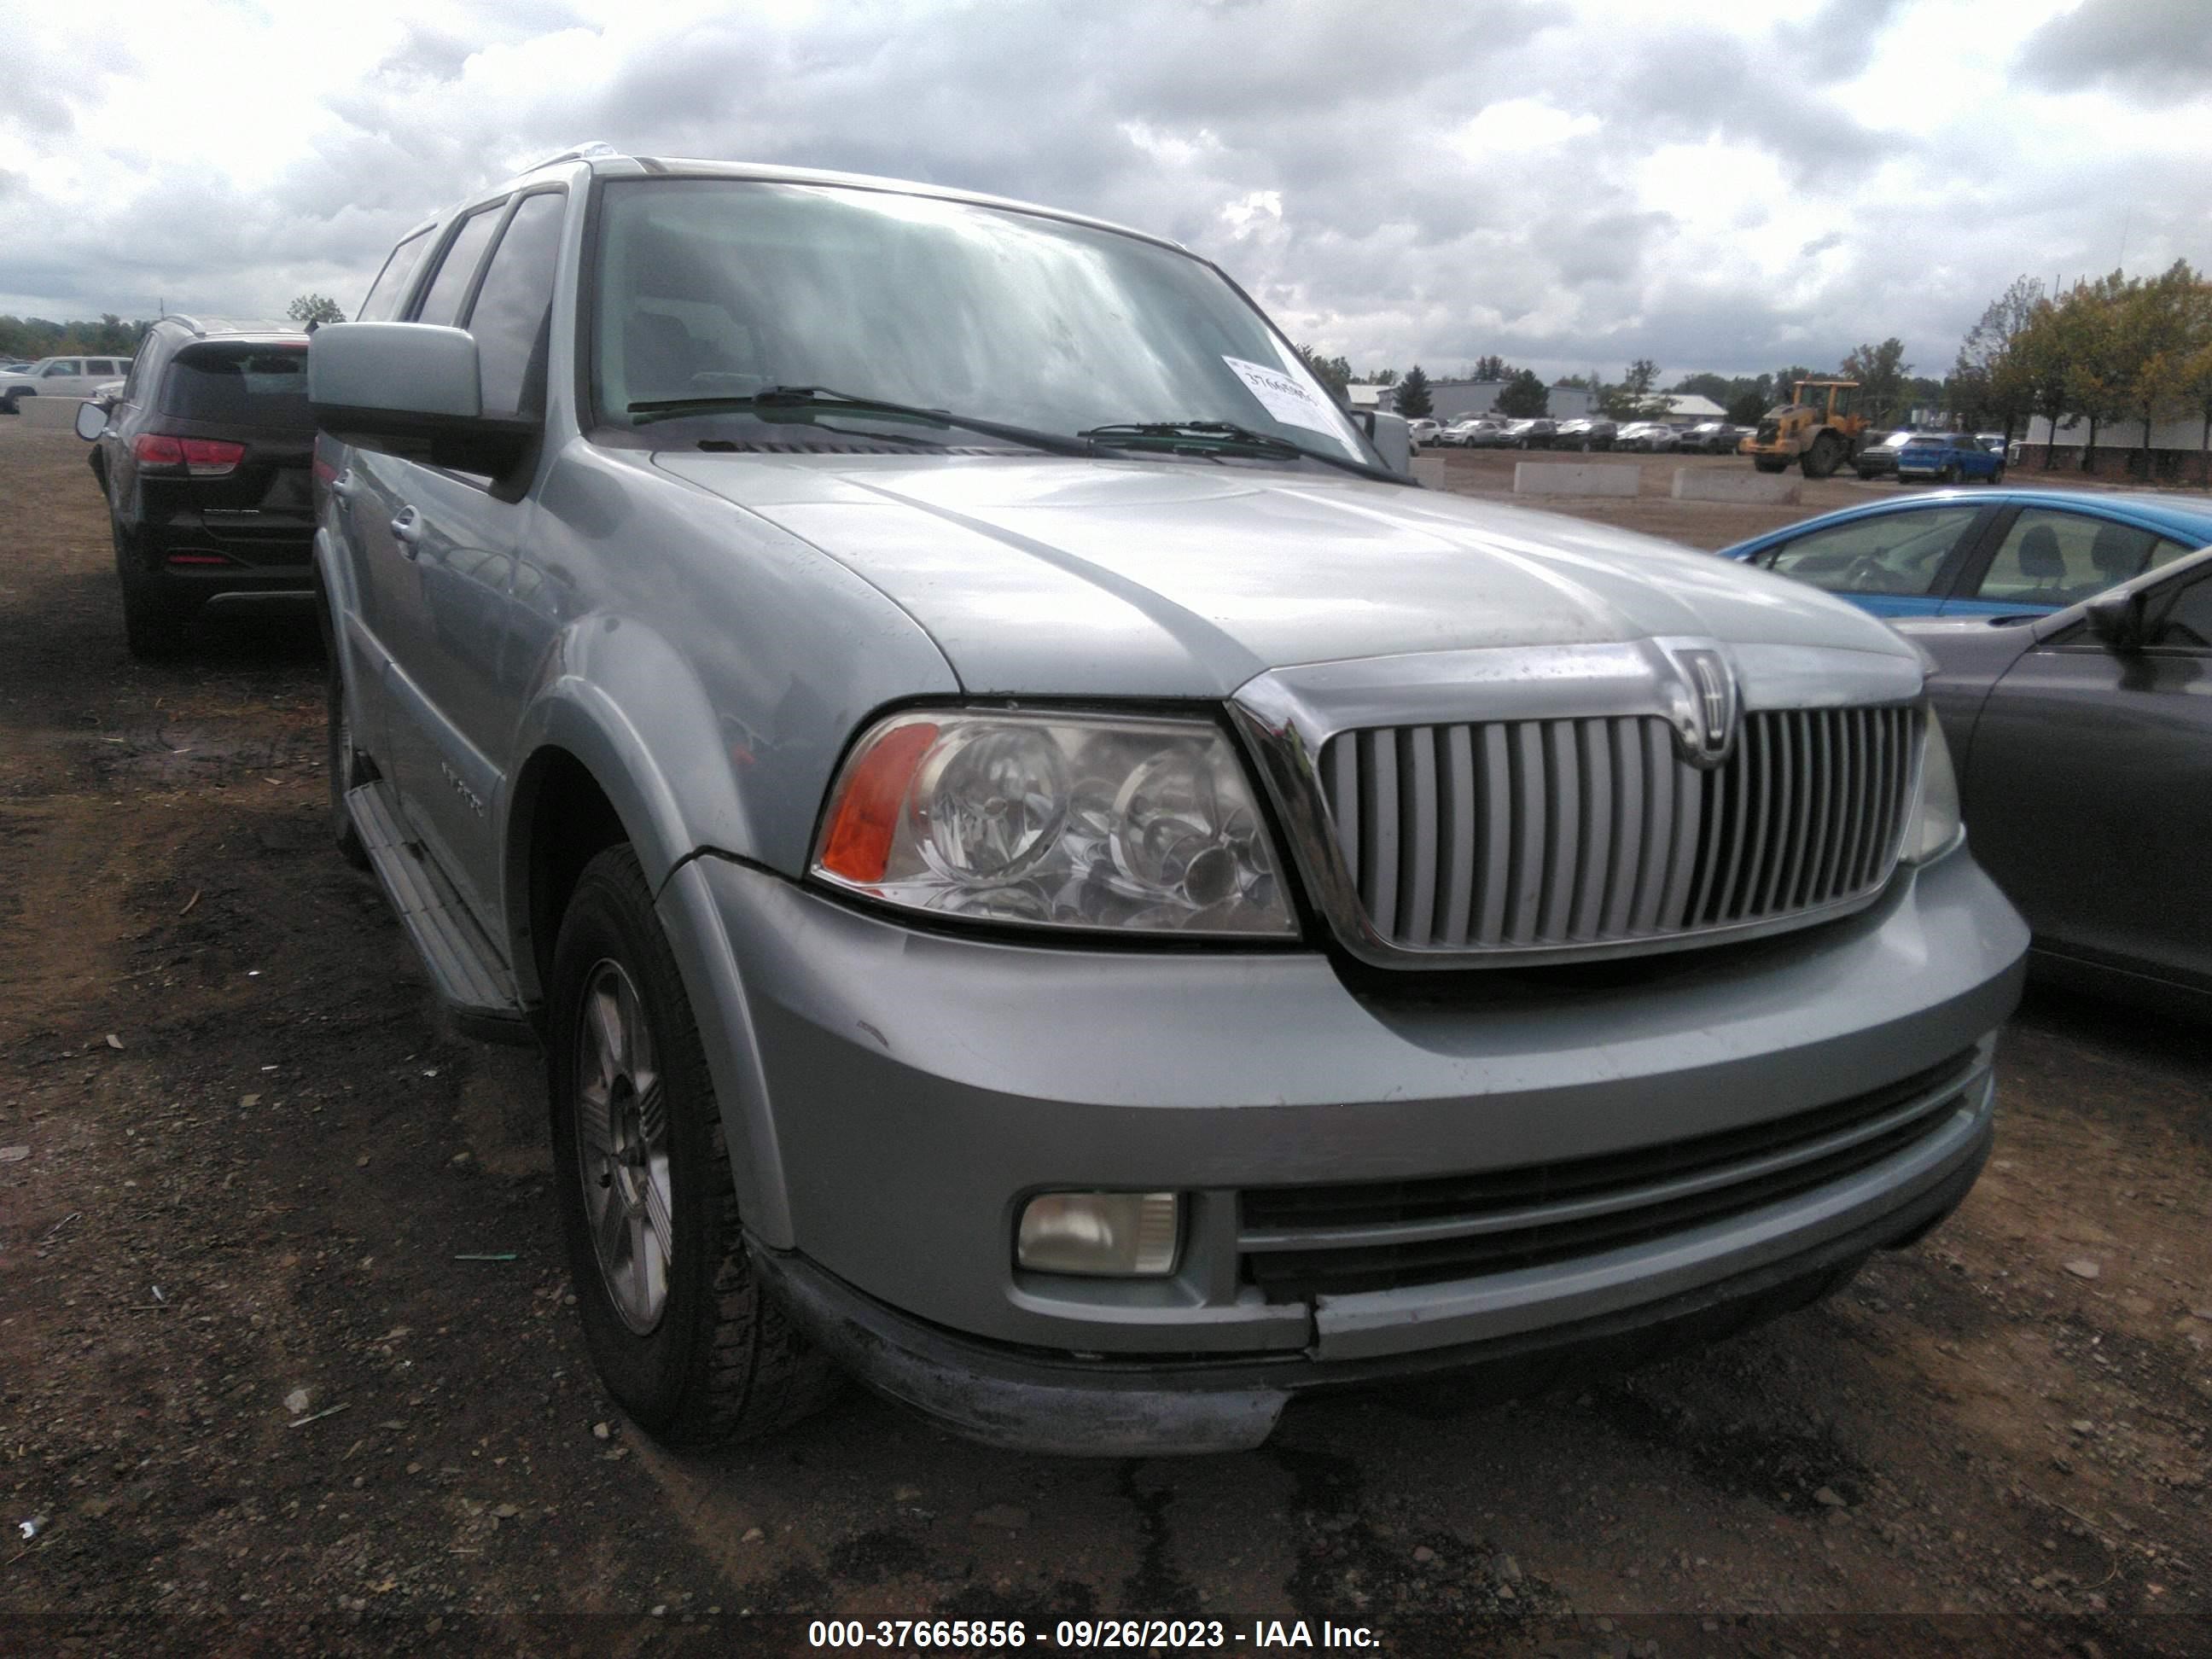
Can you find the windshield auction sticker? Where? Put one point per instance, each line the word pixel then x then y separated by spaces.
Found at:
pixel 1287 401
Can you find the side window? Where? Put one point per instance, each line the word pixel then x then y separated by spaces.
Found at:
pixel 449 288
pixel 1889 553
pixel 510 316
pixel 2055 558
pixel 2187 623
pixel 56 370
pixel 99 367
pixel 389 287
pixel 2164 553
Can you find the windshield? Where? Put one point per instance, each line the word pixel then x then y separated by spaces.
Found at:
pixel 709 287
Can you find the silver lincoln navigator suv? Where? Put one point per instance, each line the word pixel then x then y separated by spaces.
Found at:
pixel 1049 877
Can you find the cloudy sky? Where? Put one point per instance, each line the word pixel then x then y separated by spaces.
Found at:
pixel 1569 183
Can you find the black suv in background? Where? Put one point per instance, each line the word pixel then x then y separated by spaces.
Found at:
pixel 204 459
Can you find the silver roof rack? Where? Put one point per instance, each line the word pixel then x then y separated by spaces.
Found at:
pixel 590 152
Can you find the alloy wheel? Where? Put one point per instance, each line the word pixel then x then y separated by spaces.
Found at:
pixel 621 1111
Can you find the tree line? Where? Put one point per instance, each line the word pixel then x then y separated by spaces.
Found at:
pixel 2126 351
pixel 29 338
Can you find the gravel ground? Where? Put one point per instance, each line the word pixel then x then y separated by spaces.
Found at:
pixel 285 1362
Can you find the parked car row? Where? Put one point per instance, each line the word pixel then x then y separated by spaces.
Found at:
pixel 1582 433
pixel 1491 432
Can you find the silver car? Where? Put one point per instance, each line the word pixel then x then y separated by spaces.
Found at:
pixel 1047 876
pixel 1650 437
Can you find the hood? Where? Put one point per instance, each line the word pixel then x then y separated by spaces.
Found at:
pixel 1076 577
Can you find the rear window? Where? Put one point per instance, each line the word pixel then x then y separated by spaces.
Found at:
pixel 241 385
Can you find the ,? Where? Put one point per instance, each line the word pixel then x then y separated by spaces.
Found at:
pixel 1048 876
pixel 2084 739
pixel 1984 552
pixel 202 454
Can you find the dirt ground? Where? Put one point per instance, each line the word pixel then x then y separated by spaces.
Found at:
pixel 254 1167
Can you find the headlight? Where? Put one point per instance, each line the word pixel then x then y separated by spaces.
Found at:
pixel 1934 827
pixel 1055 820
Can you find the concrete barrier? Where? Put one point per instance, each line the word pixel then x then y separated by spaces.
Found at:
pixel 48 412
pixel 1744 483
pixel 1429 471
pixel 1576 477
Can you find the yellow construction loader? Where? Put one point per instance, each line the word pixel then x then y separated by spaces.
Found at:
pixel 1819 429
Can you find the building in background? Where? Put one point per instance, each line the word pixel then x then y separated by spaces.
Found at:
pixel 2176 449
pixel 1454 400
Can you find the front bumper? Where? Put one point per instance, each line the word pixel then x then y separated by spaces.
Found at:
pixel 1030 1400
pixel 904 1093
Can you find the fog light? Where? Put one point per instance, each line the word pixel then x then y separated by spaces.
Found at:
pixel 1131 1234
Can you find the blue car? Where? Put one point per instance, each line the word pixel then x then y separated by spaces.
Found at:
pixel 1985 552
pixel 1948 457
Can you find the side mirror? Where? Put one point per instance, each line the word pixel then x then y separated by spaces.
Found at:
pixel 91 420
pixel 412 390
pixel 1392 436
pixel 2116 620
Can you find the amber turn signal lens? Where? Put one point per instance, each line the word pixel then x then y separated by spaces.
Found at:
pixel 865 816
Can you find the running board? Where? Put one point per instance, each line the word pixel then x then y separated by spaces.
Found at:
pixel 465 967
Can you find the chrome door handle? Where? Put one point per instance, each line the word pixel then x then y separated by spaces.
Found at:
pixel 407 530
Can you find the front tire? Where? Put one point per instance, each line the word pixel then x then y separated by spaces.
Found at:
pixel 682 1333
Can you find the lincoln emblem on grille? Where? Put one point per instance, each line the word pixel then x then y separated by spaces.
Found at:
pixel 1705 719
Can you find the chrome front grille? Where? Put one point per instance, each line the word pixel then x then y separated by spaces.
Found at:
pixel 1539 835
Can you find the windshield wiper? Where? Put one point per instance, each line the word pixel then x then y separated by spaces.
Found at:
pixel 803 397
pixel 1219 437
